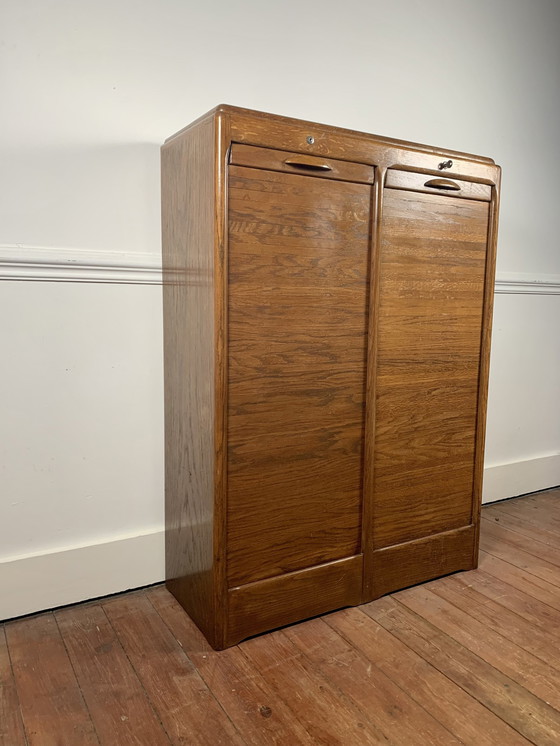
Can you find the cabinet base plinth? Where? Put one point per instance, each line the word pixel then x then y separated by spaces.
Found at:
pixel 417 561
pixel 285 599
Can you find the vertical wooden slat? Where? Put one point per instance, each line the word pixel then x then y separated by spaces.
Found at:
pixel 484 371
pixel 222 140
pixel 368 503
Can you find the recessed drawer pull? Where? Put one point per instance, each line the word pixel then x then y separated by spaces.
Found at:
pixel 304 161
pixel 451 186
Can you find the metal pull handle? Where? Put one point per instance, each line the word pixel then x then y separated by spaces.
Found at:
pixel 451 186
pixel 304 161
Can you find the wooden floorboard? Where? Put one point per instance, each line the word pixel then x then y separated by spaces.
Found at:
pixel 11 725
pixel 187 708
pixel 470 659
pixel 462 714
pixel 52 705
pixel 117 701
pixel 505 518
pixel 397 715
pixel 244 694
pixel 525 712
pixel 515 662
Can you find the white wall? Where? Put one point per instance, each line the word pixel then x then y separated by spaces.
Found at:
pixel 89 91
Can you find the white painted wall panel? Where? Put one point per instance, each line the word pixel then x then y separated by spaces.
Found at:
pixel 81 432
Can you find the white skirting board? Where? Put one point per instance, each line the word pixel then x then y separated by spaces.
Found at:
pixel 520 477
pixel 57 578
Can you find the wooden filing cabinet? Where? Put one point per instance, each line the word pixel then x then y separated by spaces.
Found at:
pixel 327 310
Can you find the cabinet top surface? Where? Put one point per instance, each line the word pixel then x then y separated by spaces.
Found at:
pixel 239 116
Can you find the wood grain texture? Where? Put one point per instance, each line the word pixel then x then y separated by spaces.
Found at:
pixel 539 502
pixel 11 726
pixel 495 648
pixel 506 519
pixel 323 710
pixel 298 294
pixel 187 709
pixel 529 636
pixel 541 515
pixel 188 224
pixel 433 263
pixel 520 578
pixel 283 133
pixel 545 550
pixel 389 708
pixel 280 160
pixel 368 504
pixel 539 613
pixel 52 706
pixel 533 718
pixel 284 599
pixel 463 716
pixel 412 562
pixel 512 548
pixel 117 702
pixel 244 694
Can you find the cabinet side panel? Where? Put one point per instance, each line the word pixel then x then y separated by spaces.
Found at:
pixel 188 220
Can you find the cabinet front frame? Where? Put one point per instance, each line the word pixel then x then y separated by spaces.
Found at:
pixel 233 125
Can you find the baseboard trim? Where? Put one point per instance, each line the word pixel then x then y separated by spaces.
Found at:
pixel 520 477
pixel 43 581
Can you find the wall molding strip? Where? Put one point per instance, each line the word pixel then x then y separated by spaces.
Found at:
pixel 51 264
pixel 525 284
pixel 48 264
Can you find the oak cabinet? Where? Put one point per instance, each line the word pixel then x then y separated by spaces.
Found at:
pixel 327 307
